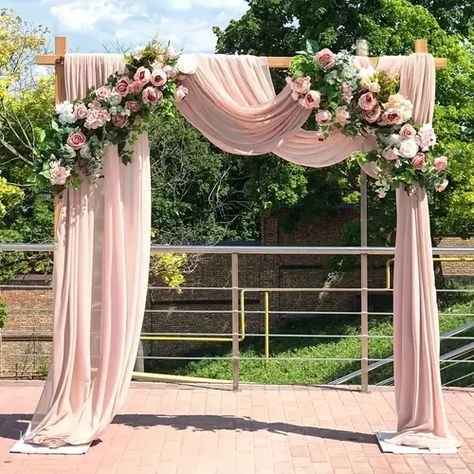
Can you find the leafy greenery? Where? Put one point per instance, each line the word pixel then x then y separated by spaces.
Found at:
pixel 305 370
pixel 280 27
pixel 3 314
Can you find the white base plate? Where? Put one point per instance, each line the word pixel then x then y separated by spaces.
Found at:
pixel 24 448
pixel 400 449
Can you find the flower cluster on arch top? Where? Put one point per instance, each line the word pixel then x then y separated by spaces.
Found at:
pixel 345 93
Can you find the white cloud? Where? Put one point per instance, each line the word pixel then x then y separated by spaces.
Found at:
pixel 186 23
pixel 84 15
pixel 192 35
pixel 227 5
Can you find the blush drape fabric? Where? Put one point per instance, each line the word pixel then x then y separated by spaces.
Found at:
pixel 100 284
pixel 233 103
pixel 421 413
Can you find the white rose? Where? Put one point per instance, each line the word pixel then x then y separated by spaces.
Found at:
pixel 394 139
pixel 364 72
pixel 65 112
pixel 408 148
pixel 186 65
pixel 374 87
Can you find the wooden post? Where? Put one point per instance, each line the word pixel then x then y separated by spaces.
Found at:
pixel 421 46
pixel 60 49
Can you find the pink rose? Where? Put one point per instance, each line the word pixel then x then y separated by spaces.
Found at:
pixel 342 115
pixel 96 118
pixel 76 140
pixel 441 163
pixel 300 85
pixel 119 121
pixel 407 132
pixel 170 71
pixel 142 75
pixel 418 161
pixel 103 92
pixel 347 92
pixel 390 154
pixel 95 104
pixel 123 86
pixel 426 137
pixel 326 58
pixel 132 105
pixel 80 111
pixel 151 95
pixel 158 78
pixel 181 93
pixel 323 117
pixel 311 100
pixel 371 116
pixel 58 174
pixel 367 101
pixel 441 187
pixel 392 117
pixel 134 87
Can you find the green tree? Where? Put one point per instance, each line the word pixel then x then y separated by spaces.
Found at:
pixel 197 191
pixel 280 27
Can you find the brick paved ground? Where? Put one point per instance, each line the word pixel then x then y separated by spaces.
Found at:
pixel 170 429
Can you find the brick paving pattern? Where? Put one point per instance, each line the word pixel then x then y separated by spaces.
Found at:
pixel 181 429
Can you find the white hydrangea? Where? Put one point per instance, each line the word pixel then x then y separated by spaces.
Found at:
pixel 382 187
pixel 65 112
pixel 186 64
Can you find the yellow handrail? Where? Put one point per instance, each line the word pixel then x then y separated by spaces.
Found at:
pixel 200 338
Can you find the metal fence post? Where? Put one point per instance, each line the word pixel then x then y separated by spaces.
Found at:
pixel 235 322
pixel 364 303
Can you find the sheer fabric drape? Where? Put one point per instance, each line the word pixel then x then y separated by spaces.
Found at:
pixel 233 103
pixel 100 284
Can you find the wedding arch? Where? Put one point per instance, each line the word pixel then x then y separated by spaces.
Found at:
pixel 103 230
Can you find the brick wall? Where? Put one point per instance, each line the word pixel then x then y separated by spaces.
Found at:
pixel 25 342
pixel 462 268
pixel 27 334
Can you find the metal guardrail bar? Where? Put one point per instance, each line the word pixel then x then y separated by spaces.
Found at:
pixel 234 251
pixel 388 360
pixel 254 250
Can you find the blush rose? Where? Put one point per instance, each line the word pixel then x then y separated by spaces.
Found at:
pixel 76 140
pixel 326 58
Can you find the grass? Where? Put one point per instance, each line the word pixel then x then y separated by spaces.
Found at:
pixel 306 370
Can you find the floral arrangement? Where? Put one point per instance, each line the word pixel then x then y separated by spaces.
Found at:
pixel 347 93
pixel 115 113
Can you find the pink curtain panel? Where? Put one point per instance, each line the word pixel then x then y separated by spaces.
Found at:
pixel 233 103
pixel 101 259
pixel 100 284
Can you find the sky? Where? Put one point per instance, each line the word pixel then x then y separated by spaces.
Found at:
pixel 92 24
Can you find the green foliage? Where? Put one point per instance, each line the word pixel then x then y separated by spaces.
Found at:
pixel 3 314
pixel 169 268
pixel 197 191
pixel 306 370
pixel 279 28
pixel 9 196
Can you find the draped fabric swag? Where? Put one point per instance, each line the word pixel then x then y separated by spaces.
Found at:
pixel 101 259
pixel 100 284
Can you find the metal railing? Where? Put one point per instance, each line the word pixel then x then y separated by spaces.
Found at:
pixel 238 310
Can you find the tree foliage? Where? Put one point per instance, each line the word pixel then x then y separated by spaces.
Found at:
pixel 280 27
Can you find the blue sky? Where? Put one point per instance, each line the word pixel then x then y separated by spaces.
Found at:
pixel 91 24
